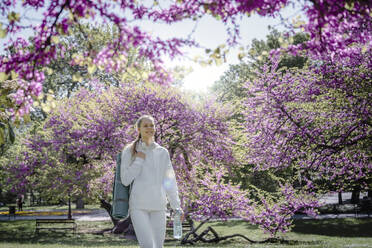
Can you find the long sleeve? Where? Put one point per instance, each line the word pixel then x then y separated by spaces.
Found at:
pixel 129 170
pixel 170 185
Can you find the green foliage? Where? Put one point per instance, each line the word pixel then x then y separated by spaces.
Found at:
pixel 230 86
pixel 259 52
pixel 7 135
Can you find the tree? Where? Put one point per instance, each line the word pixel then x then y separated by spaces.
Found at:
pixel 85 133
pixel 315 120
pixel 78 143
pixel 332 27
pixel 231 89
pixel 63 77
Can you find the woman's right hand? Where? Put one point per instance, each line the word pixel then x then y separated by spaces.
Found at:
pixel 140 155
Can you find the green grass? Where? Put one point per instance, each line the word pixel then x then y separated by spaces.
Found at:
pixel 50 208
pixel 332 233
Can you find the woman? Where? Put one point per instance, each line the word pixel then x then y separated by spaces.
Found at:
pixel 148 166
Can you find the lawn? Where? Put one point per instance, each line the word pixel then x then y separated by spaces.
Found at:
pixel 331 233
pixel 50 207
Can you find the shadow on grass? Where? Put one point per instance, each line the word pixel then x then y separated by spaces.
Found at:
pixel 346 227
pixel 23 232
pixel 65 238
pixel 248 226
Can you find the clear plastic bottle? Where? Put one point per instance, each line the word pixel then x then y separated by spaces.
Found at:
pixel 177 225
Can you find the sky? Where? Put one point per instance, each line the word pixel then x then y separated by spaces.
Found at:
pixel 211 33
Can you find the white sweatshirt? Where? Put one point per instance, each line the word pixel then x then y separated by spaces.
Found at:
pixel 154 178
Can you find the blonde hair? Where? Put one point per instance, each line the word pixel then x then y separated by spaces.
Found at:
pixel 137 126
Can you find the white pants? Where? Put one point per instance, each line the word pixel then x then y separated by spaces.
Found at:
pixel 149 227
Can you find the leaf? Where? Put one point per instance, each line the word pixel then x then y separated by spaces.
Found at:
pixel 41 96
pixel 70 16
pixel 218 17
pixel 13 17
pixel 49 71
pixel 45 107
pixel 26 118
pixel 3 33
pixel 50 98
pixel 2 140
pixel 218 61
pixel 122 57
pixel 92 68
pixel 3 76
pixel 77 78
pixel 364 49
pixel 349 6
pixel 55 39
pixel 14 75
pixel 53 105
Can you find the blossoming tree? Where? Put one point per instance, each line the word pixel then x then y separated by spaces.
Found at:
pixel 332 26
pixel 316 120
pixel 78 142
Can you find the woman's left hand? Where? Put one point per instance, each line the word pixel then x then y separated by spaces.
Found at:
pixel 182 214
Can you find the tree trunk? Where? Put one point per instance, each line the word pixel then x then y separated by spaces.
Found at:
pixel 355 197
pixel 79 203
pixel 107 206
pixel 69 215
pixel 369 193
pixel 120 226
pixel 340 198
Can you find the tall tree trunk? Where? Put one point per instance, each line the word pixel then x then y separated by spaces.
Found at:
pixel 120 226
pixel 69 215
pixel 340 198
pixel 80 203
pixel 107 206
pixel 355 197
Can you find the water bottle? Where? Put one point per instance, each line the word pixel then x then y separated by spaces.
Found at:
pixel 177 225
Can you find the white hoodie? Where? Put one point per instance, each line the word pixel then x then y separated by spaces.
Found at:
pixel 154 178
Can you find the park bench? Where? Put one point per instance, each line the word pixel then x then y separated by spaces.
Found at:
pixel 55 224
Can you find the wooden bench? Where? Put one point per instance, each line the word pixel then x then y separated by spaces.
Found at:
pixel 55 224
